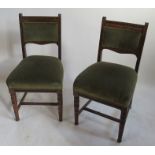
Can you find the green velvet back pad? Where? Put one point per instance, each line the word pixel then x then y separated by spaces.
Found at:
pixel 40 31
pixel 121 39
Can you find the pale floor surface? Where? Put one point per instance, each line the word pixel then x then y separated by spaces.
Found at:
pixel 39 125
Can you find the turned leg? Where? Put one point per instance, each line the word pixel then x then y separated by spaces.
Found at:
pixel 60 105
pixel 14 103
pixel 76 109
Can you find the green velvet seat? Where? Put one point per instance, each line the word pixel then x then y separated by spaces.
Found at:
pixel 107 82
pixel 37 73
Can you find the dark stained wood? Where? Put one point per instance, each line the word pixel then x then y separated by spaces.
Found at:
pixel 22 37
pixel 123 25
pixel 13 92
pixel 19 105
pixel 86 104
pixel 76 109
pixel 123 117
pixel 60 105
pixel 40 103
pixel 36 19
pixel 14 103
pixel 138 52
pixel 101 114
pixel 40 19
pixel 23 97
pixel 59 40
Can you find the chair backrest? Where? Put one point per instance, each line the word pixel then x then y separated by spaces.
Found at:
pixel 121 37
pixel 40 30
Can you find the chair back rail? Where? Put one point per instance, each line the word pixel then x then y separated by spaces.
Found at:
pixel 40 30
pixel 121 37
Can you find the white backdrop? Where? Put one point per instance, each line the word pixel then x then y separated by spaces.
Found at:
pixel 80 37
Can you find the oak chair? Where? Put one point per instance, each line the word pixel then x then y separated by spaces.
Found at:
pixel 109 83
pixel 38 73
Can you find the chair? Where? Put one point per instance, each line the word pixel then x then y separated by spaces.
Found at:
pixel 109 83
pixel 38 73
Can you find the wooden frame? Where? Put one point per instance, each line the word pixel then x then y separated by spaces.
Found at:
pixel 137 52
pixel 59 102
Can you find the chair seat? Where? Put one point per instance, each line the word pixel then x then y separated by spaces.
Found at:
pixel 107 82
pixel 37 73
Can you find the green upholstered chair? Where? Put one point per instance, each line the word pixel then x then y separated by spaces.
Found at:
pixel 109 83
pixel 38 73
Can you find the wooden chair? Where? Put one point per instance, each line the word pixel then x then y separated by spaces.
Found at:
pixel 109 83
pixel 38 73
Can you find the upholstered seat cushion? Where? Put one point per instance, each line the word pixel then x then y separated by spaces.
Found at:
pixel 108 82
pixel 37 73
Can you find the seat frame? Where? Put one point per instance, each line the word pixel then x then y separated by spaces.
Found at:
pixel 124 110
pixel 59 103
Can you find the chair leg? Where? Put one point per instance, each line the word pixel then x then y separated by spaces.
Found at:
pixel 123 117
pixel 76 109
pixel 14 103
pixel 60 106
